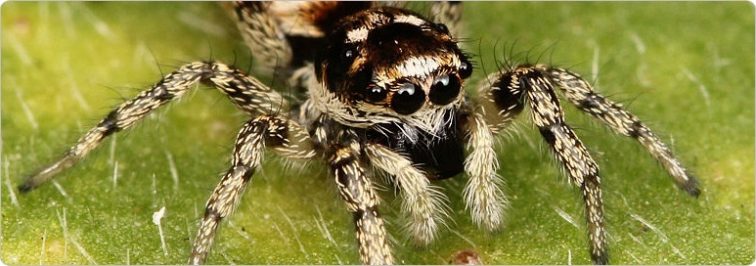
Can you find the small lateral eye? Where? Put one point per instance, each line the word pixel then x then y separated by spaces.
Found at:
pixel 445 89
pixel 375 93
pixel 349 53
pixel 407 99
pixel 442 27
pixel 465 70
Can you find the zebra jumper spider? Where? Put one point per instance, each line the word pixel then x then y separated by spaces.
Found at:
pixel 384 94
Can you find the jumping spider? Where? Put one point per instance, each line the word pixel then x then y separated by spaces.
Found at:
pixel 384 91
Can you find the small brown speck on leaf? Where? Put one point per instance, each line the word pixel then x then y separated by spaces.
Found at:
pixel 466 257
pixel 21 26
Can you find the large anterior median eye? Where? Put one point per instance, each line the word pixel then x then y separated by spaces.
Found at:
pixel 407 99
pixel 444 89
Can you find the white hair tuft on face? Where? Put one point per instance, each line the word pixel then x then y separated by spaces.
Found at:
pixel 357 35
pixel 410 19
pixel 418 66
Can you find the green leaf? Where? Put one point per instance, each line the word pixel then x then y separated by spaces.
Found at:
pixel 685 68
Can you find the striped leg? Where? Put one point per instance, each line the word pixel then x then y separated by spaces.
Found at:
pixel 246 92
pixel 262 35
pixel 285 137
pixel 421 200
pixel 570 151
pixel 508 94
pixel 356 189
pixel 580 93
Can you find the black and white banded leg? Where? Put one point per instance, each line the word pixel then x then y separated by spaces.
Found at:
pixel 505 98
pixel 285 137
pixel 245 92
pixel 358 192
pixel 262 35
pixel 580 93
pixel 508 93
pixel 421 201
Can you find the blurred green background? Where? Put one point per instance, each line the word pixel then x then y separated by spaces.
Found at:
pixel 685 68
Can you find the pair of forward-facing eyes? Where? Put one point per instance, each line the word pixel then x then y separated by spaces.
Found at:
pixel 406 96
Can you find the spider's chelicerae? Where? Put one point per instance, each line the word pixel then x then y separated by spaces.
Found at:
pixel 384 94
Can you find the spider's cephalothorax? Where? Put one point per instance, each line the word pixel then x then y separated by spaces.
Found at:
pixel 384 94
pixel 391 63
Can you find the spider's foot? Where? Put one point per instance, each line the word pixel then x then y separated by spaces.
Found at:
pixel 490 217
pixel 691 186
pixel 422 234
pixel 25 187
pixel 600 259
pixel 35 180
pixel 423 230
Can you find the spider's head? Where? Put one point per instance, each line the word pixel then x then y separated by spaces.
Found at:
pixel 392 63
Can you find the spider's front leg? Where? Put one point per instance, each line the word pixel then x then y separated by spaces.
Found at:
pixel 421 200
pixel 358 192
pixel 245 92
pixel 482 194
pixel 283 136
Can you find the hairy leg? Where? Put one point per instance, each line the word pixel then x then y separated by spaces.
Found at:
pixel 284 136
pixel 246 92
pixel 580 93
pixel 358 192
pixel 508 93
pixel 483 195
pixel 422 201
pixel 262 34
